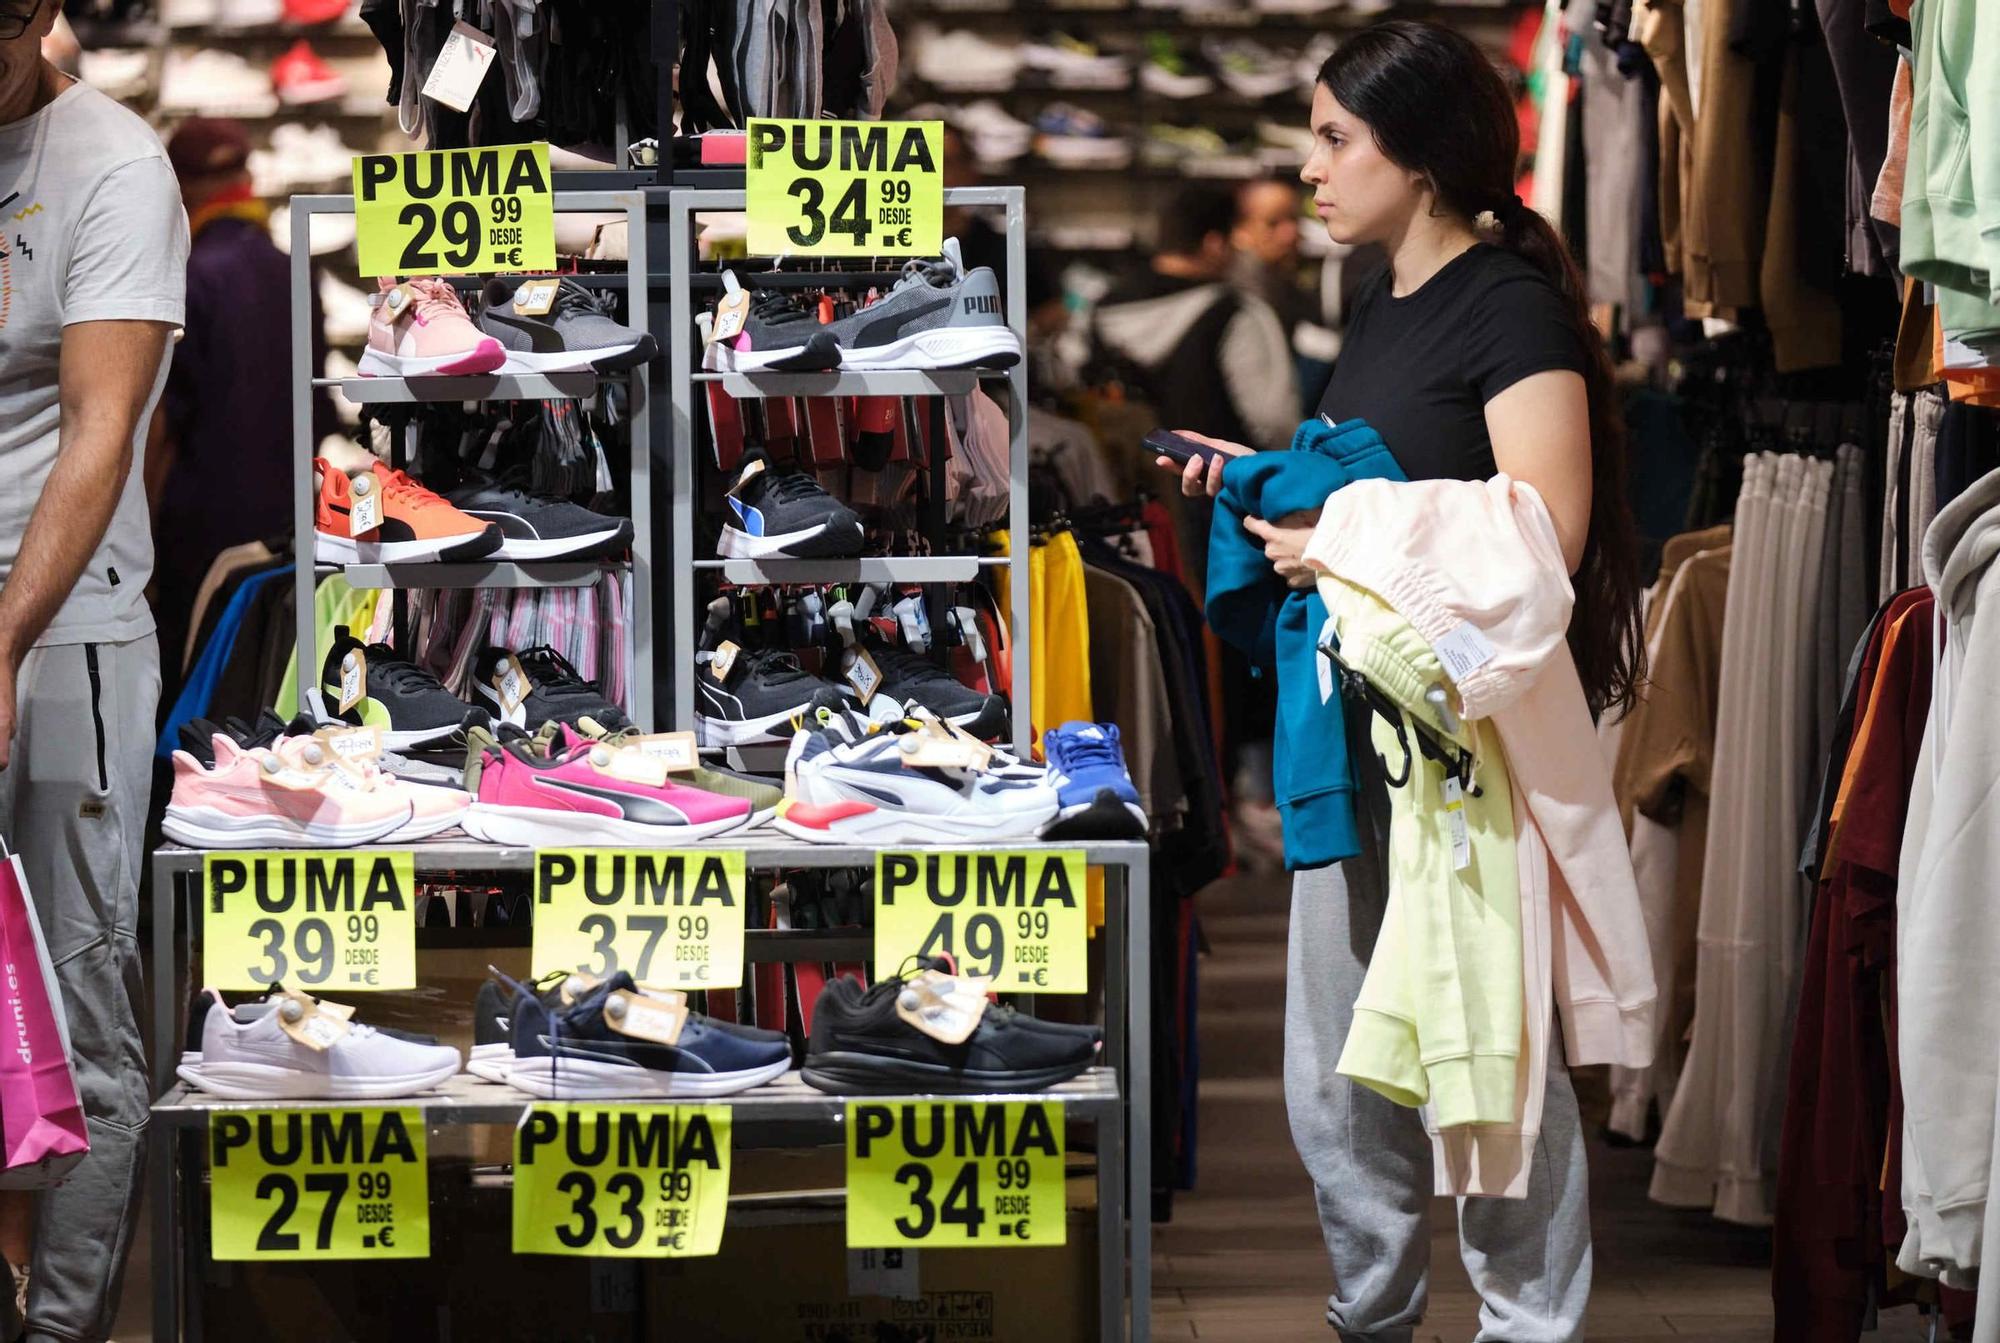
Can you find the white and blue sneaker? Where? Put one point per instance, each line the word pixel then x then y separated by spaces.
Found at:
pixel 785 513
pixel 1094 793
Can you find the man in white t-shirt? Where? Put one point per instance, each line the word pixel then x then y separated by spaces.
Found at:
pixel 93 254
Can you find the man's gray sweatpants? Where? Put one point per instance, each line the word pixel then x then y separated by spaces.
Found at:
pixel 1370 1159
pixel 73 805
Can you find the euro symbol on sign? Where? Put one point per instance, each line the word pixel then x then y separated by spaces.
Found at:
pixel 1042 977
pixel 903 238
pixel 514 257
pixel 1021 1229
pixel 386 1237
pixel 374 977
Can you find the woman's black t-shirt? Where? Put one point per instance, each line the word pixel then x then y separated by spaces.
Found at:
pixel 1421 368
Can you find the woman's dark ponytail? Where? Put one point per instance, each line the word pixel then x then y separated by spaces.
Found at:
pixel 1437 106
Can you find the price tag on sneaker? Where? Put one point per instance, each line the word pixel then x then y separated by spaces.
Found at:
pixel 1014 917
pixel 955 1173
pixel 511 680
pixel 354 744
pixel 333 1183
pixel 732 312
pixel 1454 824
pixel 673 920
pixel 642 1018
pixel 723 659
pixel 300 1018
pixel 353 679
pixel 365 513
pixel 751 470
pixel 864 675
pixel 677 750
pixel 536 297
pixel 342 921
pixel 631 1181
pixel 460 67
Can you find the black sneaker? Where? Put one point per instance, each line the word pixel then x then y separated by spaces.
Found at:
pixel 537 528
pixel 576 335
pixel 758 699
pixel 916 679
pixel 860 1046
pixel 785 513
pixel 555 692
pixel 494 1009
pixel 780 335
pixel 410 705
pixel 576 1053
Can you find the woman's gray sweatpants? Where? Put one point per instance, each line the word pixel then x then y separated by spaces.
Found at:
pixel 1370 1159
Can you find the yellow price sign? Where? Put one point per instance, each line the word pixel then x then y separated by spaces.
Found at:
pixel 1016 917
pixel 637 1181
pixel 845 188
pixel 455 211
pixel 319 1184
pixel 943 1174
pixel 674 919
pixel 340 920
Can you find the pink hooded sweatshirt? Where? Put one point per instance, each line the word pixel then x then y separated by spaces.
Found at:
pixel 1476 568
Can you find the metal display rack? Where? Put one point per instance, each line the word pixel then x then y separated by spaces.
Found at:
pixel 490 387
pixel 1112 1098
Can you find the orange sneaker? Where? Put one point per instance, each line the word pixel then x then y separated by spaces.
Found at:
pixel 417 526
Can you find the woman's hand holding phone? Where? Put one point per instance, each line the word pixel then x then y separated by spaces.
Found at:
pixel 1202 473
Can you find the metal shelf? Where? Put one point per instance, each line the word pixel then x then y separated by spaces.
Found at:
pixel 883 382
pixel 468 1100
pixel 880 569
pixel 484 387
pixel 500 574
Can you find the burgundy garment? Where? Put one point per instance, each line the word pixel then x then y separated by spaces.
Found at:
pixel 1827 1258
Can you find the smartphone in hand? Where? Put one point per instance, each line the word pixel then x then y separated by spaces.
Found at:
pixel 1179 450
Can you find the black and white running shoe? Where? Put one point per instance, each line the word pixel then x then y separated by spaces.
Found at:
pixel 914 679
pixel 538 528
pixel 785 513
pixel 410 705
pixel 576 335
pixel 554 692
pixel 781 336
pixel 758 697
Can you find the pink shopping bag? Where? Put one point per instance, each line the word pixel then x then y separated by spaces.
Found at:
pixel 41 1116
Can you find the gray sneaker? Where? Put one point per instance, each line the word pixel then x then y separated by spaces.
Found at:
pixel 576 335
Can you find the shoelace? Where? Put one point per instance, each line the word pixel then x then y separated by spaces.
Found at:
pixel 909 666
pixel 790 486
pixel 398 485
pixel 573 297
pixel 402 675
pixel 551 670
pixel 776 667
pixel 1078 752
pixel 436 297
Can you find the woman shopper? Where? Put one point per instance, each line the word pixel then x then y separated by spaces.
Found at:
pixel 1472 355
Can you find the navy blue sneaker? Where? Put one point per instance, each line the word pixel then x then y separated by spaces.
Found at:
pixel 575 1053
pixel 1094 792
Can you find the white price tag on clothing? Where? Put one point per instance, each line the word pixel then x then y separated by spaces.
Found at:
pixel 1464 650
pixel 1454 820
pixel 461 67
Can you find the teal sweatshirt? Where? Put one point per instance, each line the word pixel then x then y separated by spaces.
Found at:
pixel 1279 628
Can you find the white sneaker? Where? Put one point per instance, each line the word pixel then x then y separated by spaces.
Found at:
pixel 246 1055
pixel 313 156
pixel 863 794
pixel 116 72
pixel 215 83
pixel 346 311
pixel 1253 71
pixel 964 61
pixel 187 13
pixel 993 134
pixel 331 233
pixel 1073 64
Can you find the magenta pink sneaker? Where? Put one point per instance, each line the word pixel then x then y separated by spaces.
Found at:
pixel 594 794
pixel 419 327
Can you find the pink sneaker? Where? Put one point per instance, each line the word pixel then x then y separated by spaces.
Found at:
pixel 420 327
pixel 594 794
pixel 255 798
pixel 433 807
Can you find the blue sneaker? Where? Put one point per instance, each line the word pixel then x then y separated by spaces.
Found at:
pixel 1093 788
pixel 576 1054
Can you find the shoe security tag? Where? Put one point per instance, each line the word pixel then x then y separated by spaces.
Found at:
pixel 944 1007
pixel 645 1018
pixel 351 745
pixel 722 659
pixel 366 514
pixel 338 1011
pixel 751 470
pixel 353 679
pixel 395 300
pixel 935 750
pixel 676 750
pixel 981 752
pixel 1454 819
pixel 732 312
pixel 577 984
pixel 841 613
pixel 1464 650
pixel 915 623
pixel 511 680
pixel 300 1018
pixel 632 766
pixel 864 675
pixel 967 621
pixel 536 297
pixel 460 67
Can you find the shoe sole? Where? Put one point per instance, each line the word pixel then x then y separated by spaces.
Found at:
pixel 207 828
pixel 820 354
pixel 884 826
pixel 826 541
pixel 264 1081
pixel 539 827
pixel 741 732
pixel 850 1074
pixel 490 1063
pixel 298 95
pixel 486 357
pixel 424 828
pixel 604 359
pixel 331 548
pixel 587 1079
pixel 945 348
pixel 590 545
pixel 1104 817
pixel 400 742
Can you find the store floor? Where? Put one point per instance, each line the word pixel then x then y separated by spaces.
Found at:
pixel 1242 1259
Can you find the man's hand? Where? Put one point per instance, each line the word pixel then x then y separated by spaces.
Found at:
pixel 1285 545
pixel 8 668
pixel 1197 480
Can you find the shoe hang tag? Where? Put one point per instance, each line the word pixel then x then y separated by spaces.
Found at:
pixel 353 679
pixel 632 766
pixel 536 297
pixel 732 312
pixel 511 680
pixel 675 750
pixel 946 1008
pixel 301 1018
pixel 982 753
pixel 365 514
pixel 864 675
pixel 1454 821
pixel 751 470
pixel 915 623
pixel 1464 650
pixel 644 1018
pixel 351 745
pixel 723 659
pixel 933 749
pixel 460 67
